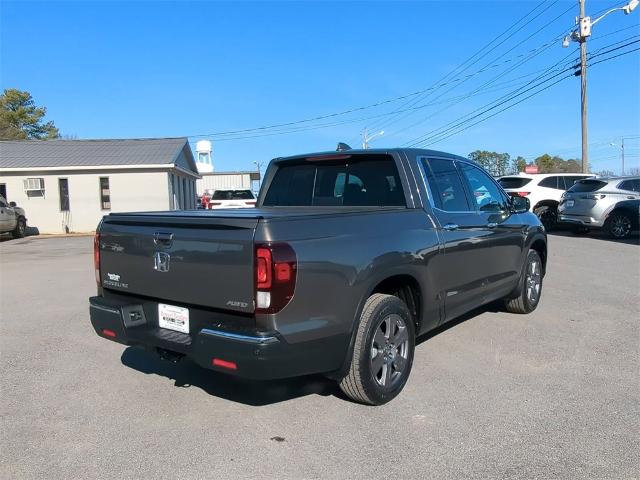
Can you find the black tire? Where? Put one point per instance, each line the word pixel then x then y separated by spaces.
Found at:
pixel 619 225
pixel 362 383
pixel 527 300
pixel 548 216
pixel 21 228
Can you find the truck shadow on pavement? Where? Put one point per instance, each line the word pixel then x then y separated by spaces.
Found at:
pixel 249 392
pixel 187 374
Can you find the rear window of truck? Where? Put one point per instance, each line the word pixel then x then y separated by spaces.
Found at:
pixel 513 182
pixel 232 195
pixel 589 185
pixel 362 180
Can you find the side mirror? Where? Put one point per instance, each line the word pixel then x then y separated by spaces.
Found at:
pixel 520 204
pixel 12 204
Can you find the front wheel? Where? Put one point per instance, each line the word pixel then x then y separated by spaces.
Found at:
pixel 383 351
pixel 21 228
pixel 530 286
pixel 619 225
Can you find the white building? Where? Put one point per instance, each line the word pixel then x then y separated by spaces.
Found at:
pixel 68 185
pixel 228 180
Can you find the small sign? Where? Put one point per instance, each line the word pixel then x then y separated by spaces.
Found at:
pixel 531 169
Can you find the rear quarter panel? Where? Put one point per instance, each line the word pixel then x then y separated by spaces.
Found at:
pixel 341 258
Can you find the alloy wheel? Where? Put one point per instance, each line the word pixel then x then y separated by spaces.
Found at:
pixel 533 281
pixel 620 226
pixel 389 351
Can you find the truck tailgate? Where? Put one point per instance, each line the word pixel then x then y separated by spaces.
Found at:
pixel 187 260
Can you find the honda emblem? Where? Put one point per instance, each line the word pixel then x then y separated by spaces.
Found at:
pixel 161 261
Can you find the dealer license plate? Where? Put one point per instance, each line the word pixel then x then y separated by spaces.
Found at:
pixel 173 318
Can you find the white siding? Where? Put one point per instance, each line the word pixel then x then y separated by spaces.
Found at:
pixel 130 191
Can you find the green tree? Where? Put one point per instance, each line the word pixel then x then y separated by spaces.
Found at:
pixel 496 163
pixel 548 164
pixel 21 119
pixel 518 164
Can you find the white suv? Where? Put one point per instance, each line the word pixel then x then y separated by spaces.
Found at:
pixel 543 190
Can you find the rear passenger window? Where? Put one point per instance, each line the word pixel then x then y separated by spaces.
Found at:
pixel 631 185
pixel 552 182
pixel 446 185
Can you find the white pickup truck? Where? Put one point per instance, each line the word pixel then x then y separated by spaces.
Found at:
pixel 12 219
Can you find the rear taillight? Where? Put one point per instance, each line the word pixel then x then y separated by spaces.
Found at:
pixel 215 203
pixel 250 202
pixel 523 194
pixel 96 257
pixel 275 267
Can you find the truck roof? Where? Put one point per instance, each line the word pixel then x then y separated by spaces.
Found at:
pixel 410 152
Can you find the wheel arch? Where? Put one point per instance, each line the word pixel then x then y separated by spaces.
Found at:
pixel 539 244
pixel 546 203
pixel 627 210
pixel 400 284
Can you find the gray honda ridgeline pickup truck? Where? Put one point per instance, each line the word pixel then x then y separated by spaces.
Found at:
pixel 346 259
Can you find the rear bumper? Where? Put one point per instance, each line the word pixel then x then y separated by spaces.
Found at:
pixel 583 220
pixel 256 354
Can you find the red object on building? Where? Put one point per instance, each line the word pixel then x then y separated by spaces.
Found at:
pixel 531 169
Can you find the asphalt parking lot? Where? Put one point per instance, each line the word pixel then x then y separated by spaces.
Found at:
pixel 554 394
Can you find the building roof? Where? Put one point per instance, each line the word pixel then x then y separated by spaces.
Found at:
pixel 30 154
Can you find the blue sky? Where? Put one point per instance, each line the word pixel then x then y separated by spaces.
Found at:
pixel 153 69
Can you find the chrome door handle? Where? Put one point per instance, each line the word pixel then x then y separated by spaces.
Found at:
pixel 492 224
pixel 450 226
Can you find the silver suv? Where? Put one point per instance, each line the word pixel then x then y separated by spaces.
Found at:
pixel 602 203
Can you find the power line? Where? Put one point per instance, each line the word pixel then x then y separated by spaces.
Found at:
pixel 530 57
pixel 415 100
pixel 435 139
pixel 508 84
pixel 507 96
pixel 441 130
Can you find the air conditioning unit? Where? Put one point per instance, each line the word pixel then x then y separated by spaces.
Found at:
pixel 31 184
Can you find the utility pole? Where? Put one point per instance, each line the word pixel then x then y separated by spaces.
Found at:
pixel 622 146
pixel 581 34
pixel 583 84
pixel 259 165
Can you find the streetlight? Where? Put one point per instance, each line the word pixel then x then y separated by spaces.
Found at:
pixel 367 138
pixel 259 167
pixel 613 144
pixel 580 35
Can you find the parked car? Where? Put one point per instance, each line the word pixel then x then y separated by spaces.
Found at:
pixel 608 203
pixel 12 219
pixel 231 198
pixel 347 257
pixel 544 191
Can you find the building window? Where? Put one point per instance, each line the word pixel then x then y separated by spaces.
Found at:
pixel 63 188
pixel 3 190
pixel 34 187
pixel 105 193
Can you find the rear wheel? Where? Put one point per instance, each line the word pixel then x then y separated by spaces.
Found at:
pixel 619 225
pixel 383 351
pixel 21 228
pixel 548 215
pixel 530 286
